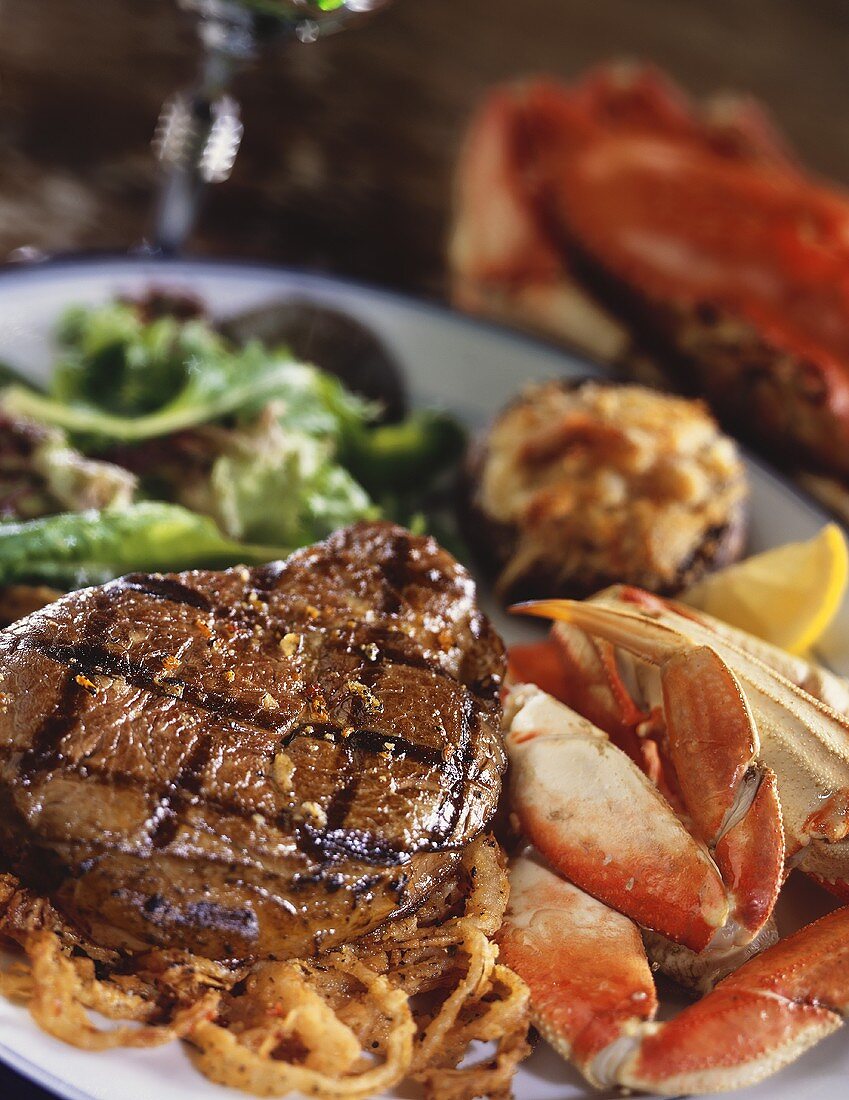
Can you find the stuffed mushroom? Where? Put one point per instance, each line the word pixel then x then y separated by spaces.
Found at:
pixel 578 485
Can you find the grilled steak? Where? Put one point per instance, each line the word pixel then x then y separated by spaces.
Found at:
pixel 261 761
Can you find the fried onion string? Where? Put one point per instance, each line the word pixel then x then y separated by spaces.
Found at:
pixel 406 1001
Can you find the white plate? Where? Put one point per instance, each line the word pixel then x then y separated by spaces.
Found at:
pixel 450 361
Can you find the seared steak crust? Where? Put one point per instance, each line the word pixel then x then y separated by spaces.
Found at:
pixel 260 761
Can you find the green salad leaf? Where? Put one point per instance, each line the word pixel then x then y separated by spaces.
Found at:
pixel 169 447
pixel 80 548
pixel 122 380
pixel 115 360
pixel 242 384
pixel 410 455
pixel 273 485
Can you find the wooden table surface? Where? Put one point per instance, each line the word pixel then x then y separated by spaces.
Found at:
pixel 347 158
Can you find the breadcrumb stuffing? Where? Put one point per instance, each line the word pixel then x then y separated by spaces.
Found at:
pixel 603 481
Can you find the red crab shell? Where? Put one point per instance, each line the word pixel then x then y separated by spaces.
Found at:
pixel 697 232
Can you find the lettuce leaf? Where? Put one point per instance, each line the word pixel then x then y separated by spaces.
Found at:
pixel 248 452
pixel 122 380
pixel 243 384
pixel 115 360
pixel 74 549
pixel 273 485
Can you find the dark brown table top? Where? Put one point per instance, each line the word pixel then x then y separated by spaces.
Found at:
pixel 347 158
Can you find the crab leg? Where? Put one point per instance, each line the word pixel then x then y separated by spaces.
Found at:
pixel 592 998
pixel 591 683
pixel 597 818
pixel 755 1022
pixel 583 962
pixel 730 796
pixel 582 672
pixel 732 800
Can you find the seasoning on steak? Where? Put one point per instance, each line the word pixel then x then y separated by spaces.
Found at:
pixel 262 761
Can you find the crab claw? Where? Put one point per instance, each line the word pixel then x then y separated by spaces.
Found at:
pixel 597 819
pixel 593 999
pixel 799 712
pixel 729 795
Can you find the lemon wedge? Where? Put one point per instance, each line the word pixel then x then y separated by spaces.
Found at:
pixel 787 596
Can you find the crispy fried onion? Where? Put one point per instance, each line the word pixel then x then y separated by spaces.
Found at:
pixel 300 1021
pixel 406 1001
pixel 60 993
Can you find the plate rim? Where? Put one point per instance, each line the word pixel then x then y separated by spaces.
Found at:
pixel 37 1075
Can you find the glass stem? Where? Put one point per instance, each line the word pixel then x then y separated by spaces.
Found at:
pixel 198 134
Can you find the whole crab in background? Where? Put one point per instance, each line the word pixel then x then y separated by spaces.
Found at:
pixel 669 777
pixel 614 215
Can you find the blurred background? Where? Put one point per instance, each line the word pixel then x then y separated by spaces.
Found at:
pixel 349 144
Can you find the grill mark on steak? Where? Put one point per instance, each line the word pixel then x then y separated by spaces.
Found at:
pixel 43 752
pixel 391 745
pixel 205 914
pixel 44 749
pixel 93 661
pixel 161 588
pixel 368 740
pixel 458 765
pixel 343 799
pixel 389 654
pixel 325 846
pixel 329 846
pixel 187 781
pixel 128 781
pixel 179 793
pixel 361 841
pixel 247 617
pixel 396 573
